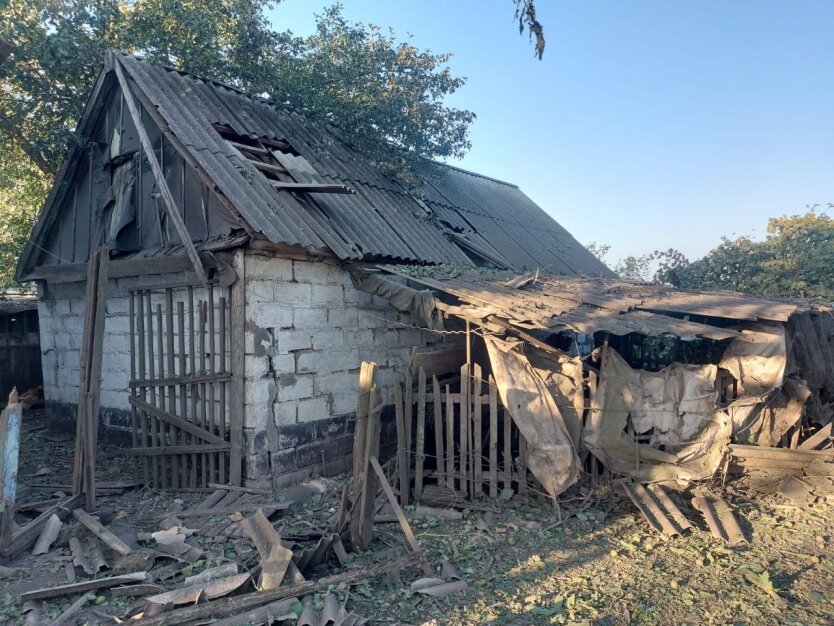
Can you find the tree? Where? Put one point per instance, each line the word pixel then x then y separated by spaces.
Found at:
pixel 525 14
pixel 385 97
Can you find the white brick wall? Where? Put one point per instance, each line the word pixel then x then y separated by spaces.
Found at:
pixel 321 329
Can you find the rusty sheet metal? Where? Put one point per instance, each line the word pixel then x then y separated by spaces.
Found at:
pixel 384 219
pixel 657 507
pixel 720 519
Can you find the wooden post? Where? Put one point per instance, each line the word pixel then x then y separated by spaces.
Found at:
pixel 89 436
pixel 522 463
pixel 438 432
pixel 237 337
pixel 477 435
pixel 361 442
pixel 421 434
pixel 493 439
pixel 408 413
pixel 370 485
pixel 464 428
pixel 10 431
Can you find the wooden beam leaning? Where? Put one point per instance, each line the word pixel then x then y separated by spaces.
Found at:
pixel 156 168
pixel 168 418
pixel 237 340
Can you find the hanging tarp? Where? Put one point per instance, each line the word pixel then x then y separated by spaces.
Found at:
pixel 612 402
pixel 552 456
pixel 420 304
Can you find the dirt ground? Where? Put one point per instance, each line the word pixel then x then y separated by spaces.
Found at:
pixel 602 565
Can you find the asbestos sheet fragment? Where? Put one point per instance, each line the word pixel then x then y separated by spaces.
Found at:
pixel 275 559
pixel 720 519
pixel 657 507
pixel 552 454
pixel 195 593
pixel 798 491
pixel 612 400
pixel 87 556
pixel 48 535
pixel 436 587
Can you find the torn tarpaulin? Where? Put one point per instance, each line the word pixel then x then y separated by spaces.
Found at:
pixel 552 455
pixel 613 400
pixel 420 304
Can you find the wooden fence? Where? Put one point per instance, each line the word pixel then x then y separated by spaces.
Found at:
pixel 455 433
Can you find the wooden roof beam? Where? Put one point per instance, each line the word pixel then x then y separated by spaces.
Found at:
pixel 156 168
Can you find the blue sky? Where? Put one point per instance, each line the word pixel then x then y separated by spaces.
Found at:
pixel 649 123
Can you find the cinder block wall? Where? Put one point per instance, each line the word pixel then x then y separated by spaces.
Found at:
pixel 307 332
pixel 61 308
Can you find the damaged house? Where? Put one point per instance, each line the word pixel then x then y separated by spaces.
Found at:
pixel 249 261
pixel 234 332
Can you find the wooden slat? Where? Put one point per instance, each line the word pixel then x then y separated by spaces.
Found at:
pixel 134 433
pixel 508 451
pixel 192 366
pixel 184 437
pixel 184 449
pixel 477 435
pixel 210 387
pixel 186 379
pixel 408 413
pixel 237 336
pixel 522 463
pixel 173 419
pixel 201 307
pixel 163 425
pixel 450 440
pixel 140 348
pixel 89 435
pixel 222 367
pixel 162 183
pixel 173 432
pixel 392 500
pixel 464 429
pixel 421 434
pixel 154 422
pixel 370 485
pixel 438 432
pixel 493 439
pixel 402 451
pixel 96 527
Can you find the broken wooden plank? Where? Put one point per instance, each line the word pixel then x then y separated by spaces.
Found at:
pixel 360 532
pixel 263 492
pixel 274 557
pixel 229 606
pixel 28 534
pixel 269 507
pixel 87 585
pixel 48 535
pixel 98 529
pixel 406 527
pixel 170 418
pixel 10 429
pixel 818 438
pixel 367 497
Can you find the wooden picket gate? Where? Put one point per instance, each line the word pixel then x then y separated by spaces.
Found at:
pixel 476 444
pixel 180 386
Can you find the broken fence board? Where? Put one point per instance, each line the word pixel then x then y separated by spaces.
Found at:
pixel 87 585
pixel 421 434
pixel 406 527
pixel 98 529
pixel 818 438
pixel 438 432
pixel 274 557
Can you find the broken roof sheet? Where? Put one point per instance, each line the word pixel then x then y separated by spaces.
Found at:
pixel 384 219
pixel 588 305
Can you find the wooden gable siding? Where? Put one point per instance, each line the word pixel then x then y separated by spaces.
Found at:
pixel 82 217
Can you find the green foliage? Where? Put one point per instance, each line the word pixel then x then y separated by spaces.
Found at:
pixel 525 15
pixel 794 260
pixel 22 189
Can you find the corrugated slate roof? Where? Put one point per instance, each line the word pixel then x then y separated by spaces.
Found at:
pixel 384 219
pixel 583 304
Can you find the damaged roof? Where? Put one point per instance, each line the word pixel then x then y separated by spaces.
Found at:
pixel 587 305
pixel 454 217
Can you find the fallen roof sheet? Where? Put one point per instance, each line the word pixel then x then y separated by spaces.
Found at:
pixel 582 304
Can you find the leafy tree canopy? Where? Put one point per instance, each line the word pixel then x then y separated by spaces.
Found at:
pixel 794 259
